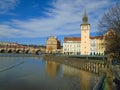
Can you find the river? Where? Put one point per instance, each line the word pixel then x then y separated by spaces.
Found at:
pixel 34 73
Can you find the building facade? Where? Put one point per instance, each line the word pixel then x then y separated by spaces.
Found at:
pixel 71 45
pixel 97 45
pixel 52 44
pixel 86 45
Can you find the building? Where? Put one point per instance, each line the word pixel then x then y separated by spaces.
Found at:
pixel 85 36
pixel 97 45
pixel 93 48
pixel 52 45
pixel 71 45
pixel 86 45
pixel 8 44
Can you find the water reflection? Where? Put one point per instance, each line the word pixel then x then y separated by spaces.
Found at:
pixel 52 68
pixel 11 67
pixel 37 74
pixel 69 71
pixel 87 79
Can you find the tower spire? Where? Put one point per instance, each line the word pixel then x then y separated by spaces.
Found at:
pixel 85 18
pixel 85 15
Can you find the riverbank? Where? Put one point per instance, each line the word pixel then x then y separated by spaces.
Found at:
pixel 100 67
pixel 94 66
pixel 75 62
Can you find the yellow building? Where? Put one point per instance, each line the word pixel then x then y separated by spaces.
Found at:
pixel 52 45
pixel 97 45
pixel 100 43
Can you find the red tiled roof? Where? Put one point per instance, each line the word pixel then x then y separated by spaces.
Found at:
pixel 96 37
pixel 72 39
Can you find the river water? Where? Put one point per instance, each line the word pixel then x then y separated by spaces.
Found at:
pixel 34 73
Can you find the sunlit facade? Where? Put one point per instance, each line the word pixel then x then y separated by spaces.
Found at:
pixel 97 45
pixel 86 44
pixel 52 44
pixel 71 45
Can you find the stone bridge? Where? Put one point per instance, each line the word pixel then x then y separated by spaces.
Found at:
pixel 21 49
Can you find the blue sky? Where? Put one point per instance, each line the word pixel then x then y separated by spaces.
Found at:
pixel 33 21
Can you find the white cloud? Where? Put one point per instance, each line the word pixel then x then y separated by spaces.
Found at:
pixel 6 5
pixel 64 18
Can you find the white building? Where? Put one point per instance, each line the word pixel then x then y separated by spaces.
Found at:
pixel 86 45
pixel 71 45
pixel 96 46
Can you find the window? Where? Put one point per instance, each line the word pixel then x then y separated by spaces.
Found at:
pixel 91 49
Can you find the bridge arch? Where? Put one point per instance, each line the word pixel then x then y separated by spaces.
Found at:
pixel 2 51
pixel 10 51
pixel 38 52
pixel 27 52
pixel 19 51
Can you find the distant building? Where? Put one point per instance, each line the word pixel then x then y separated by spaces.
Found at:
pixel 71 45
pixel 8 44
pixel 52 44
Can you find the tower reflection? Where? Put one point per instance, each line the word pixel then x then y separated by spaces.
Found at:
pixel 85 80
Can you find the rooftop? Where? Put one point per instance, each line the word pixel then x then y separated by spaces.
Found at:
pixel 72 39
pixel 96 37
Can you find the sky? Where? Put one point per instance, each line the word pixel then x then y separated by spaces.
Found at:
pixel 33 21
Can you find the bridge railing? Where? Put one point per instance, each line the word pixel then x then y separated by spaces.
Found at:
pixel 101 83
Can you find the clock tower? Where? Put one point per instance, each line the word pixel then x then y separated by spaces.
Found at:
pixel 85 35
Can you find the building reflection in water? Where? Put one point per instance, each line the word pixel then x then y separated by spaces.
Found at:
pixel 69 71
pixel 52 68
pixel 87 80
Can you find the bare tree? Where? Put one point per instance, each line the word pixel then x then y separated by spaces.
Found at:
pixel 111 21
